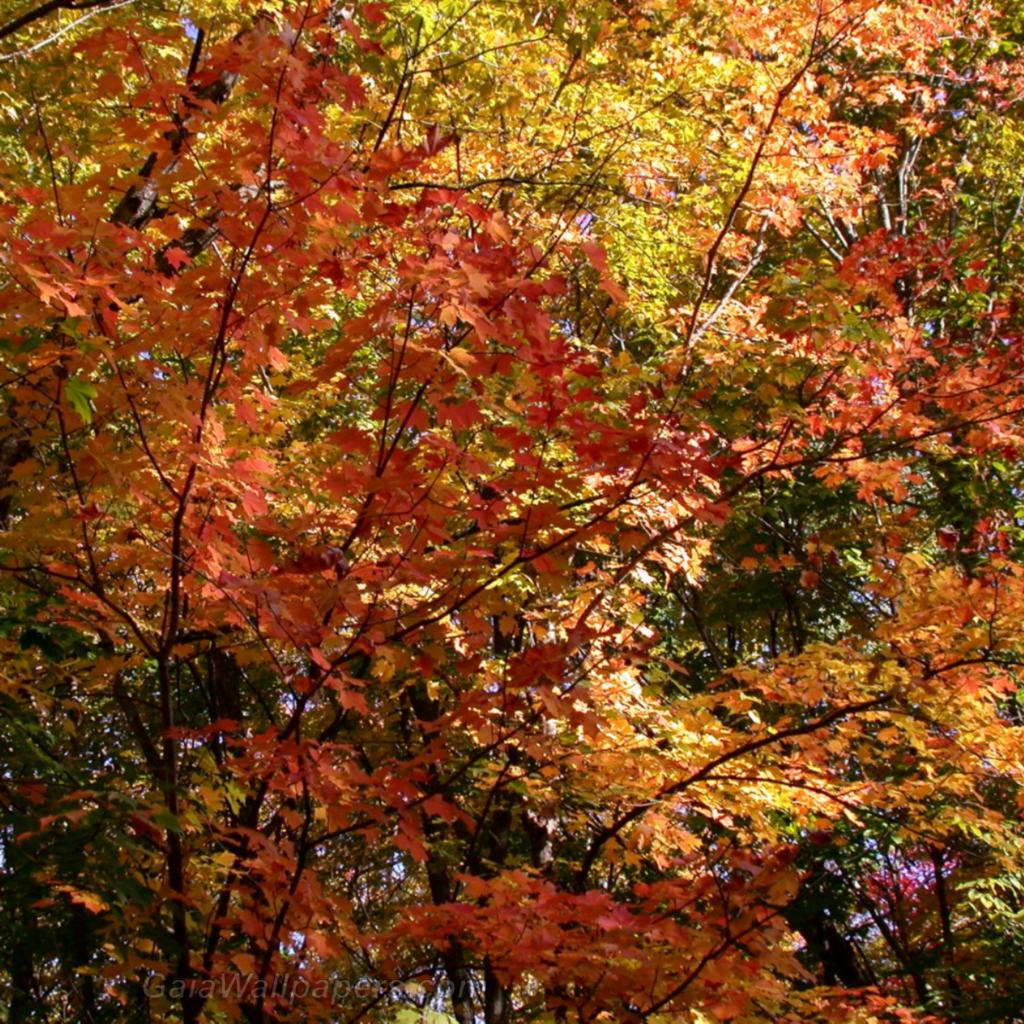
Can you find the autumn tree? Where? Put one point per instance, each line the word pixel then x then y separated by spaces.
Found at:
pixel 511 511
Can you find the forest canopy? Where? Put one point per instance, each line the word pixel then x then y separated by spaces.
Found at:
pixel 511 511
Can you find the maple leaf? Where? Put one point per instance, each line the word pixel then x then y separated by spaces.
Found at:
pixel 176 257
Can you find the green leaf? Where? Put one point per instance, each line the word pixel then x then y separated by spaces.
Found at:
pixel 166 820
pixel 81 395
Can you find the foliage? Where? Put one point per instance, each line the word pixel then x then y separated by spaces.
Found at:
pixel 511 511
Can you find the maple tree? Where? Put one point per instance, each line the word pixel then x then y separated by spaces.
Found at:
pixel 511 511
